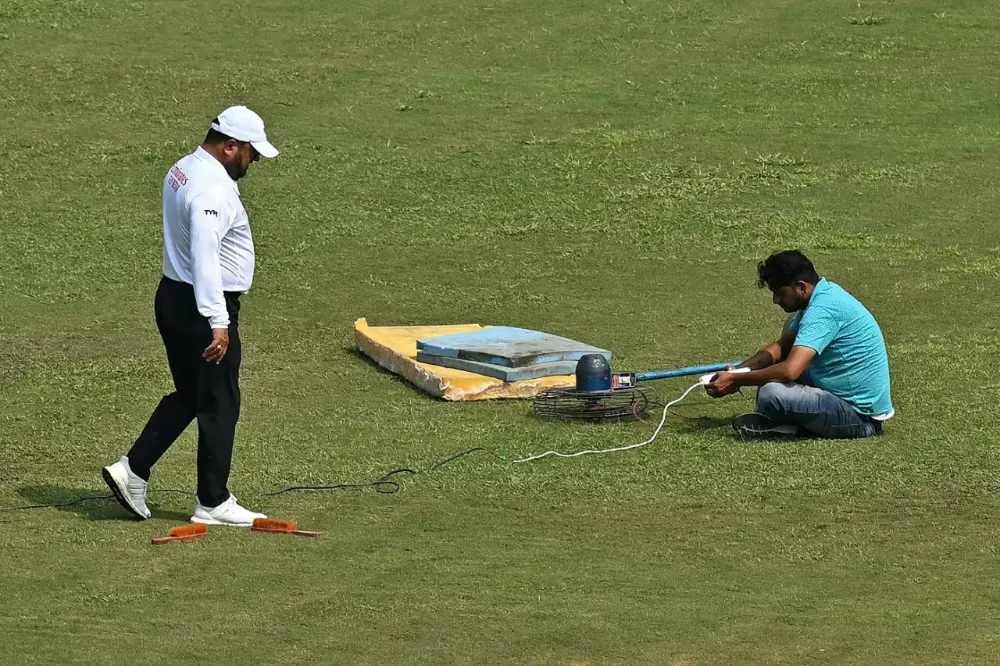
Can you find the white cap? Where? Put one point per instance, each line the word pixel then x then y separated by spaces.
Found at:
pixel 242 124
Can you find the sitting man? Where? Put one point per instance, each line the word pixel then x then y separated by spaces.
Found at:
pixel 828 374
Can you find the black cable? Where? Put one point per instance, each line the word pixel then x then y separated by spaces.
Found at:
pixel 457 456
pixel 56 506
pixel 383 484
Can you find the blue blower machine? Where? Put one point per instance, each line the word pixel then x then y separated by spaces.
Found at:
pixel 601 395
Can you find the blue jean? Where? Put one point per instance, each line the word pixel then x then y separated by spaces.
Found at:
pixel 819 412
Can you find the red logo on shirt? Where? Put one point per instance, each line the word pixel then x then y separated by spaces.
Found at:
pixel 179 175
pixel 177 178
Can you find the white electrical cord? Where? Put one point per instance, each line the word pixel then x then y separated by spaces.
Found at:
pixel 623 448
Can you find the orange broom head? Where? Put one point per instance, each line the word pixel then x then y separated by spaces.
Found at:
pixel 188 530
pixel 274 525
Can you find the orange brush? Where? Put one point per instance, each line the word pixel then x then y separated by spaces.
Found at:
pixel 184 533
pixel 274 526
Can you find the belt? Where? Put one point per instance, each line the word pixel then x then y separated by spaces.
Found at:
pixel 178 283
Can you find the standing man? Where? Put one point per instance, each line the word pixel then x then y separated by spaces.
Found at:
pixel 208 263
pixel 828 373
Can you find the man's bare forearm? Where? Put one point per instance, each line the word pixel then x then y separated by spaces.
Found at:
pixel 766 357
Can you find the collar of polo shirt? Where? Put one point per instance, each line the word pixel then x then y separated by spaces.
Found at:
pixel 242 124
pixel 214 164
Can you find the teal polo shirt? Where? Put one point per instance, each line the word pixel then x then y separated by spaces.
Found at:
pixel 851 360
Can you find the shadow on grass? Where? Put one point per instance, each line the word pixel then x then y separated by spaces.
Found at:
pixel 99 505
pixel 696 424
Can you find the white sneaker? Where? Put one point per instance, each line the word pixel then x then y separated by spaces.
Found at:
pixel 128 488
pixel 227 513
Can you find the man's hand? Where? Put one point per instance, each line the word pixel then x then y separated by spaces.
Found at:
pixel 723 384
pixel 220 344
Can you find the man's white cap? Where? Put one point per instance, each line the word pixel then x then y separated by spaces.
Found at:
pixel 242 124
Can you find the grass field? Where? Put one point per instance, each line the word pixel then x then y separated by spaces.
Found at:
pixel 606 170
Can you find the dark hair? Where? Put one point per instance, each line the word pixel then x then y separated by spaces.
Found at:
pixel 785 269
pixel 214 136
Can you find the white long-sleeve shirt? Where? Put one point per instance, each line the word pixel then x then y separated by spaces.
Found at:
pixel 206 233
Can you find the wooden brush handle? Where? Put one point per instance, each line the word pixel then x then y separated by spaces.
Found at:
pixel 186 537
pixel 304 533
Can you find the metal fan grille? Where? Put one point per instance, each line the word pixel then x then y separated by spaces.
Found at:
pixel 595 405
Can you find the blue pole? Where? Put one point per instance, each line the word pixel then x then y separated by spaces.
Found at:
pixel 684 372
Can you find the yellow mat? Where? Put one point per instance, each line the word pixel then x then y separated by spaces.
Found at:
pixel 395 349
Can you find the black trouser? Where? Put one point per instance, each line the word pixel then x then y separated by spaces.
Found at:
pixel 204 390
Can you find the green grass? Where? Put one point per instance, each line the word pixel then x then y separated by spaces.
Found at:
pixel 610 171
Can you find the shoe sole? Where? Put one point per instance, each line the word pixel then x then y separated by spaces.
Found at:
pixel 213 521
pixel 119 495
